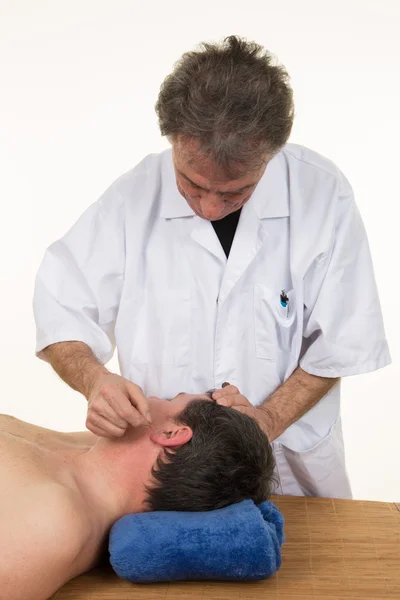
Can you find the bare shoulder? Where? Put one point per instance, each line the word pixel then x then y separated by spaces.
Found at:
pixel 64 443
pixel 29 431
pixel 45 534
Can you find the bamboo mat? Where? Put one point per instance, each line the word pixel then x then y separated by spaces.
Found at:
pixel 335 549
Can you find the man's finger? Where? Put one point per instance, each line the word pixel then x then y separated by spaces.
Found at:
pixel 102 424
pixel 96 430
pixel 125 409
pixel 233 400
pixel 227 391
pixel 110 414
pixel 223 402
pixel 139 400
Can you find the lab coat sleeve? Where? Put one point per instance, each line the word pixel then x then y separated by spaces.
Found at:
pixel 79 283
pixel 343 323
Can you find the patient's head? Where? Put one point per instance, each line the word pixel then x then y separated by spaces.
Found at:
pixel 216 456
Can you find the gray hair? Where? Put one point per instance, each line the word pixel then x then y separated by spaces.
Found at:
pixel 232 100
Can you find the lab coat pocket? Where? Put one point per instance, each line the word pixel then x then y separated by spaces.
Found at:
pixel 317 471
pixel 274 324
pixel 164 329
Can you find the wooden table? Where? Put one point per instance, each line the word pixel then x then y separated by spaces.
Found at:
pixel 335 549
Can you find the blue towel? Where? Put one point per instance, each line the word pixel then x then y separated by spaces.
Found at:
pixel 239 542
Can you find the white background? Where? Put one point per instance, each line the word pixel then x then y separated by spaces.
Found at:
pixel 79 80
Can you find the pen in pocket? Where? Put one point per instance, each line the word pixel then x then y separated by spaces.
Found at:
pixel 285 301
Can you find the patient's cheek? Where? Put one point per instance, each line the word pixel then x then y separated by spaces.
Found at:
pixel 156 405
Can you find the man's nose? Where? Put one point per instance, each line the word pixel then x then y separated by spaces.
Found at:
pixel 212 209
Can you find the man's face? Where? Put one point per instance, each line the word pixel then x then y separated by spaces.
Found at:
pixel 205 187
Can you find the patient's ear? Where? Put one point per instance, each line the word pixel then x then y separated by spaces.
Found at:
pixel 172 435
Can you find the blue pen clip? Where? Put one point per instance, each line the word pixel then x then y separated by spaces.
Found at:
pixel 285 301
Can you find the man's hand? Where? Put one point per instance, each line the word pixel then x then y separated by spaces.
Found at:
pixel 114 403
pixel 230 396
pixel 262 418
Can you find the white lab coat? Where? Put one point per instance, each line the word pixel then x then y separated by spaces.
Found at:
pixel 140 271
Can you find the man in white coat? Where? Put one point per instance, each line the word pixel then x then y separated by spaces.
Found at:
pixel 232 257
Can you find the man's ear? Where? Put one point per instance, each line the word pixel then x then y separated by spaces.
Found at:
pixel 172 435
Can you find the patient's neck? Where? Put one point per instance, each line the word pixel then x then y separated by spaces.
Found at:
pixel 112 475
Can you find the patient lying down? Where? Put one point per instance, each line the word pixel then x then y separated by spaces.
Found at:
pixel 62 492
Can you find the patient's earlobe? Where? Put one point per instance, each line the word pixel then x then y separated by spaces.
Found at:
pixel 172 436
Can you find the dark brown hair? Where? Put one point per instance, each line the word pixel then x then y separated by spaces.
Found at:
pixel 232 99
pixel 228 459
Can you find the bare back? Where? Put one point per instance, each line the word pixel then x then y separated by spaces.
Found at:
pixel 45 529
